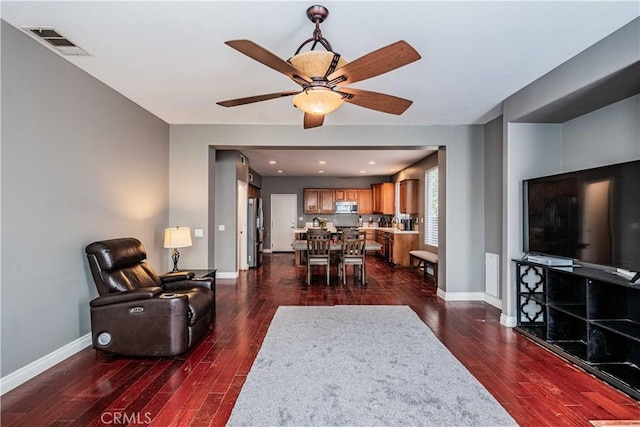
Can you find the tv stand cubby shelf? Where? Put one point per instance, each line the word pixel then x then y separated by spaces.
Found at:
pixel 589 316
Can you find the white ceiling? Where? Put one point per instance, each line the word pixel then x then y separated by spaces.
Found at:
pixel 170 57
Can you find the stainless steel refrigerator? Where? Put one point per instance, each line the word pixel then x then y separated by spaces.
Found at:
pixel 255 235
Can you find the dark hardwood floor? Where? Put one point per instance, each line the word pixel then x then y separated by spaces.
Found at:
pixel 200 388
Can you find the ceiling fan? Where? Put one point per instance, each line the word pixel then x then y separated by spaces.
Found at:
pixel 322 75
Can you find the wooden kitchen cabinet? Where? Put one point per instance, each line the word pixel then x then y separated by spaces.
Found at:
pixel 327 201
pixel 396 246
pixel 409 196
pixel 311 201
pixel 346 195
pixel 365 202
pixel 400 246
pixel 319 201
pixel 384 198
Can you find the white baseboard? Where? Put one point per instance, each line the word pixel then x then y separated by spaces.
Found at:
pixel 490 299
pixel 24 374
pixel 267 251
pixel 508 321
pixel 227 275
pixel 461 296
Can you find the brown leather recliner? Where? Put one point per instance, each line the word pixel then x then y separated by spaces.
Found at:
pixel 139 313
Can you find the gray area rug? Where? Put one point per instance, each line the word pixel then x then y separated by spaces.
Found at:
pixel 360 366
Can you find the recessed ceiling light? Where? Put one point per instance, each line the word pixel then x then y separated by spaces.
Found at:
pixel 363 171
pixel 372 163
pixel 279 170
pixel 322 162
pixel 272 162
pixel 320 171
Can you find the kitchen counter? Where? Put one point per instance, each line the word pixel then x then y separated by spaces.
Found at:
pixel 390 230
pixel 302 230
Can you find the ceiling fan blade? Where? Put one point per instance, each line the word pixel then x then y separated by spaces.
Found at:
pixel 376 101
pixel 257 98
pixel 313 120
pixel 267 58
pixel 375 63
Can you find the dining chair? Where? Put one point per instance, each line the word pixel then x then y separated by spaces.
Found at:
pixel 318 234
pixel 349 233
pixel 353 253
pixel 318 253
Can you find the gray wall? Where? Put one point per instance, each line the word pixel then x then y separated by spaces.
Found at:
pixel 229 170
pixel 493 186
pixel 79 163
pixel 606 136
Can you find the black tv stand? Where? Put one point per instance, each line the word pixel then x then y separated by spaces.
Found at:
pixel 586 315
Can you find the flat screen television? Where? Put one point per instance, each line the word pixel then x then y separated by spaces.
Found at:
pixel 591 215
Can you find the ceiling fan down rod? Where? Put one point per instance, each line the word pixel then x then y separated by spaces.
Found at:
pixel 316 14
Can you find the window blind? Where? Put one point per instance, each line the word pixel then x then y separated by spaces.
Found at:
pixel 431 207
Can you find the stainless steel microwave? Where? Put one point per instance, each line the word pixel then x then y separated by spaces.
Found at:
pixel 346 207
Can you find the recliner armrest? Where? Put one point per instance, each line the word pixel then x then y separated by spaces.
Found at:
pixel 200 282
pixel 175 276
pixel 135 295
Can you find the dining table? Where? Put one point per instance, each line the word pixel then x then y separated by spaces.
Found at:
pixel 300 246
pixel 336 245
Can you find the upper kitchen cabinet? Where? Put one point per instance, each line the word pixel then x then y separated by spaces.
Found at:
pixel 409 196
pixel 327 201
pixel 383 198
pixel 311 201
pixel 365 202
pixel 318 201
pixel 346 195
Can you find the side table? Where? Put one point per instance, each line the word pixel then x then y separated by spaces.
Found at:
pixel 206 273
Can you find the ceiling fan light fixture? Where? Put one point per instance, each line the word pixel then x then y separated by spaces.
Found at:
pixel 323 75
pixel 315 63
pixel 318 101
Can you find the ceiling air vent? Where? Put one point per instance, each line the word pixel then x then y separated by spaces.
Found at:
pixel 55 40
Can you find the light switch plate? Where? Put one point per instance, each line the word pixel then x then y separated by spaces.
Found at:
pixel 221 227
pixel 198 232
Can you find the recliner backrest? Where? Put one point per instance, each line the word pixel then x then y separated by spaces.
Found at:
pixel 117 265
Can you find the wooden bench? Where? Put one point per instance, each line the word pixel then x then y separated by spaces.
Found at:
pixel 425 258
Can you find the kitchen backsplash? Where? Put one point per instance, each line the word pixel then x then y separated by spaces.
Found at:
pixel 345 220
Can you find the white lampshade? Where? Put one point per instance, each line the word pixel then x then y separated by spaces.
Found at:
pixel 177 237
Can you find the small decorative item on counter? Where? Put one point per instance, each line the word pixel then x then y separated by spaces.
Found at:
pixel 323 222
pixel 359 221
pixel 316 222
